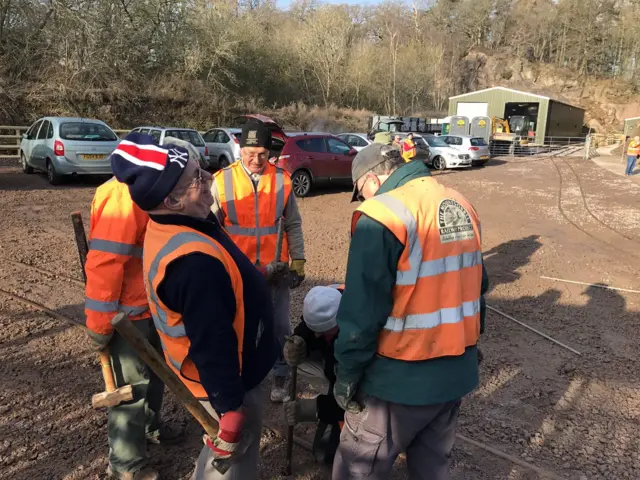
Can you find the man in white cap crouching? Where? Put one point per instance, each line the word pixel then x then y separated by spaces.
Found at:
pixel 310 349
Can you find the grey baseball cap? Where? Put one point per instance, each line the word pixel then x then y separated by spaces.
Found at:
pixel 368 158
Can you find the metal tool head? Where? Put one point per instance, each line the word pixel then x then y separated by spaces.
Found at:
pixel 111 399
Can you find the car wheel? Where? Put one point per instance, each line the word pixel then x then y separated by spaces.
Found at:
pixel 25 166
pixel 54 177
pixel 223 162
pixel 439 163
pixel 301 183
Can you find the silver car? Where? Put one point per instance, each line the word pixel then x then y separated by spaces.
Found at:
pixel 476 147
pixel 355 140
pixel 187 134
pixel 442 155
pixel 223 145
pixel 62 146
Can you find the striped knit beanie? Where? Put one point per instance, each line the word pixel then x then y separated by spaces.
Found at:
pixel 150 171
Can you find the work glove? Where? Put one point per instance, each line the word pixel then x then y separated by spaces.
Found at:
pixel 99 340
pixel 295 350
pixel 273 272
pixel 300 410
pixel 343 393
pixel 297 273
pixel 227 441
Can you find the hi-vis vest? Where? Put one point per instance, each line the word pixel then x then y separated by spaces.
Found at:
pixel 436 309
pixel 251 217
pixel 114 261
pixel 163 244
pixel 634 148
pixel 408 150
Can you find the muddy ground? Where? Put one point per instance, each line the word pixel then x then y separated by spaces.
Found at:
pixel 576 416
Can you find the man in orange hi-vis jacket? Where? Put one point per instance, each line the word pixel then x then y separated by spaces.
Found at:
pixel 115 284
pixel 408 148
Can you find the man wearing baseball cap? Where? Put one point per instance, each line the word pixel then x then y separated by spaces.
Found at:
pixel 249 198
pixel 210 305
pixel 310 349
pixel 410 318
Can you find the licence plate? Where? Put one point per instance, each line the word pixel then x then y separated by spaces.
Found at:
pixel 92 157
pixel 484 157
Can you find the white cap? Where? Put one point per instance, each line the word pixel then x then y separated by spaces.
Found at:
pixel 320 308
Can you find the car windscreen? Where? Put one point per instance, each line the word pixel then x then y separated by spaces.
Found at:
pixel 436 142
pixel 478 142
pixel 190 136
pixel 86 131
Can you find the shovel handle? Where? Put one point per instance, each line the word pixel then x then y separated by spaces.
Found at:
pixel 292 393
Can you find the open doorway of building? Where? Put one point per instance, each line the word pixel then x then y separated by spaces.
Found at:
pixel 522 117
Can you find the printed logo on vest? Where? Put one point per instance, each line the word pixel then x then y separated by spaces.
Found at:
pixel 454 222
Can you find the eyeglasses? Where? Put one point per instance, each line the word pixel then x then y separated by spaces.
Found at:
pixel 201 179
pixel 257 156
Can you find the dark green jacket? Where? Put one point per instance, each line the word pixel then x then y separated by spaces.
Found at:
pixel 367 302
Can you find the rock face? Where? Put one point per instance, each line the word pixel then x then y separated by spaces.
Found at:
pixel 607 102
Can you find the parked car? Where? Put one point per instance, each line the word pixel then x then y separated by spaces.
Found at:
pixel 442 155
pixel 63 146
pixel 476 147
pixel 223 145
pixel 355 140
pixel 187 134
pixel 315 159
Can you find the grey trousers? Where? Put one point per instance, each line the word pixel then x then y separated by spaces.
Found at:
pixel 282 326
pixel 130 423
pixel 246 466
pixel 372 440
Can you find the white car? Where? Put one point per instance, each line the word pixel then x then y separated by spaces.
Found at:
pixel 355 140
pixel 476 147
pixel 442 155
pixel 223 145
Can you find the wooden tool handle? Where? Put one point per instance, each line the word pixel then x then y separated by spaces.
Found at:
pixel 81 241
pixel 107 372
pixel 279 238
pixel 150 356
pixel 292 393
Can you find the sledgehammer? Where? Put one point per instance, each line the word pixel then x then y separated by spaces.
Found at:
pixel 112 396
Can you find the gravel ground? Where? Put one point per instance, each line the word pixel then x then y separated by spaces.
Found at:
pixel 576 416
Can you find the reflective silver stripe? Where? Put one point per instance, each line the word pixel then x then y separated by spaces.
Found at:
pixel 160 317
pixel 177 365
pixel 100 306
pixel 119 248
pixel 279 195
pixel 407 277
pixel 452 263
pixel 434 319
pixel 227 177
pixel 257 206
pixel 133 311
pixel 251 231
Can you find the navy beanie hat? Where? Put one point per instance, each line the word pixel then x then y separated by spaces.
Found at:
pixel 150 171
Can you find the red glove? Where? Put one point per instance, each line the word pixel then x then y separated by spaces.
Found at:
pixel 226 442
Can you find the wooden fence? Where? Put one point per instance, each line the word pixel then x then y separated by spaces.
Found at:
pixel 10 137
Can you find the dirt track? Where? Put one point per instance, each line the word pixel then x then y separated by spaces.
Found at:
pixel 577 416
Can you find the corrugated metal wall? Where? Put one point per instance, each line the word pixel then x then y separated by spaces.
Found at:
pixel 564 120
pixel 496 100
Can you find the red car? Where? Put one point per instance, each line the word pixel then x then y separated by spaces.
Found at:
pixel 314 159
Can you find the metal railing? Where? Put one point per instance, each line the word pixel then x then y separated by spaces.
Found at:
pixel 558 146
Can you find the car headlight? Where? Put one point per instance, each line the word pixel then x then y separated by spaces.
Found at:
pixel 452 155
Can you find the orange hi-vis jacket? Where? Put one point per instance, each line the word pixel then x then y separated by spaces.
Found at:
pixel 408 149
pixel 436 310
pixel 114 262
pixel 251 214
pixel 634 148
pixel 163 244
